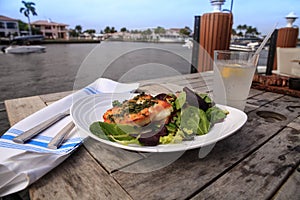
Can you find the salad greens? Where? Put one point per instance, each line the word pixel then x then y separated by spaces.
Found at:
pixel 114 132
pixel 194 119
pixel 187 120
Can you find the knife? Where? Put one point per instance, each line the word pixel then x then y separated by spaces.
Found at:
pixel 23 137
pixel 59 138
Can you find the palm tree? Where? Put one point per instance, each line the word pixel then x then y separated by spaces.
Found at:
pixel 107 29
pixel 78 29
pixel 249 31
pixel 239 28
pixel 113 30
pixel 244 27
pixel 123 29
pixel 252 31
pixel 27 10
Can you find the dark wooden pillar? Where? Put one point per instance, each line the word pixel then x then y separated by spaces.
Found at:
pixel 215 32
pixel 271 53
pixel 196 40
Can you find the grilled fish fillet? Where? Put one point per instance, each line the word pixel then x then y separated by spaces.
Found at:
pixel 139 111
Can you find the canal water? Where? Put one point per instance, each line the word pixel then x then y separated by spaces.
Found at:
pixel 65 67
pixel 57 69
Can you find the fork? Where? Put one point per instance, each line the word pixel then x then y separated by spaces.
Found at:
pixel 23 137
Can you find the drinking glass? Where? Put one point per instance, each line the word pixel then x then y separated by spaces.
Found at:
pixel 233 75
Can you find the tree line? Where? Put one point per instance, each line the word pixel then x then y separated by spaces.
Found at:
pixel 158 30
pixel 245 30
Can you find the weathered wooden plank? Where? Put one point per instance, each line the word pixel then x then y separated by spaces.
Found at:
pixel 181 79
pixel 261 173
pixel 111 158
pixel 200 86
pixel 79 177
pixel 54 96
pixel 290 189
pixel 199 82
pixel 257 101
pixel 295 124
pixel 18 109
pixel 189 174
pixel 254 92
pixel 4 124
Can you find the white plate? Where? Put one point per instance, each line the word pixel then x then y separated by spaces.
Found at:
pixel 91 108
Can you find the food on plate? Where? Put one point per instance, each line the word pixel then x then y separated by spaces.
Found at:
pixel 140 110
pixel 162 119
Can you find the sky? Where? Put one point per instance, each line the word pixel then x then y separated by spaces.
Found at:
pixel 140 14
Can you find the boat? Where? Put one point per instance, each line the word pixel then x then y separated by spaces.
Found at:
pixel 22 45
pixel 248 47
pixel 188 43
pixel 170 38
pixel 22 49
pixel 29 38
pixel 248 44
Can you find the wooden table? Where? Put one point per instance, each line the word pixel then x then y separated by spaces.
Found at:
pixel 260 161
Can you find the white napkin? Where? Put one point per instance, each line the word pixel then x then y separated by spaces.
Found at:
pixel 23 164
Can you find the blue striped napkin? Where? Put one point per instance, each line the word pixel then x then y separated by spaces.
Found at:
pixel 17 170
pixel 40 142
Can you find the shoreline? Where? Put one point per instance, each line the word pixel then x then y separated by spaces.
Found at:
pixel 70 41
pixel 90 41
pixel 86 41
pixel 45 41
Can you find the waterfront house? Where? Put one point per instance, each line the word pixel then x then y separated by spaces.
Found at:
pixel 148 34
pixel 171 35
pixel 85 36
pixel 51 30
pixel 8 26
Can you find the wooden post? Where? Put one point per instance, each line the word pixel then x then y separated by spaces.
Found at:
pixel 215 32
pixel 271 53
pixel 287 37
pixel 196 39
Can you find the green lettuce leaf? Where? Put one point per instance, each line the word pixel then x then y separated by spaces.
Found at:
pixel 215 114
pixel 114 132
pixel 194 119
pixel 180 100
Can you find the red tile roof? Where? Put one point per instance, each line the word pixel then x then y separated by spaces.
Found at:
pixel 45 22
pixel 4 18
